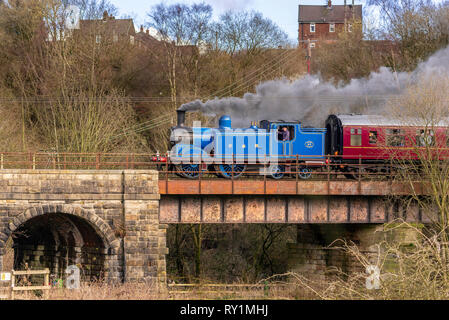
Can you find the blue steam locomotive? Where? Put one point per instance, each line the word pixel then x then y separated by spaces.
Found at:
pixel 273 148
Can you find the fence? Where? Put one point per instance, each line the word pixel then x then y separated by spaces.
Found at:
pixel 258 291
pixel 13 288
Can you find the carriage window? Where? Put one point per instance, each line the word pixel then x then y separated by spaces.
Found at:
pixel 286 133
pixel 373 137
pixel 395 138
pixel 447 138
pixel 425 138
pixel 356 137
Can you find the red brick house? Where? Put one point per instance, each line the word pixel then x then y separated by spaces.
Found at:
pixel 324 23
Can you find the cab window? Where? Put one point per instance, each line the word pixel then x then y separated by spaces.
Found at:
pixel 286 133
pixel 356 137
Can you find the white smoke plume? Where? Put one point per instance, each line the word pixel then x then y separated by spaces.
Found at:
pixel 310 100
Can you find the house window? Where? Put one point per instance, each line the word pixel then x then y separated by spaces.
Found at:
pixel 395 138
pixel 425 138
pixel 115 37
pixel 312 27
pixel 98 38
pixel 372 137
pixel 356 137
pixel 349 27
pixel 131 39
pixel 332 27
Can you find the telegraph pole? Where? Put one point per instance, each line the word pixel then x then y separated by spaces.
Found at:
pixel 308 53
pixel 309 56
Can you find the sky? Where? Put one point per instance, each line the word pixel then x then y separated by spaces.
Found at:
pixel 283 12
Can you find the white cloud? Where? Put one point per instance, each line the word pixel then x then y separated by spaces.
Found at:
pixel 225 5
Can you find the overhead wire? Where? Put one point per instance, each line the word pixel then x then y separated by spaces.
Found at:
pixel 243 82
pixel 265 71
pixel 261 68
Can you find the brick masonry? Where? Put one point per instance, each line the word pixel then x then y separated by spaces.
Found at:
pixel 121 207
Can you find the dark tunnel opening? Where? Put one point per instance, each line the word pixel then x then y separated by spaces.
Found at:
pixel 56 241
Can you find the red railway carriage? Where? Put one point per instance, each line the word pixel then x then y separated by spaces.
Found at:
pixel 375 139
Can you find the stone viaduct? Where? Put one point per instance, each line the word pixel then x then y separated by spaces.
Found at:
pixel 112 223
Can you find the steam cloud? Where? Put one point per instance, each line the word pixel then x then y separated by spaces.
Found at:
pixel 311 100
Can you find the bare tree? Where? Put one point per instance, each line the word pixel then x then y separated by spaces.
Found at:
pixel 426 106
pixel 93 9
pixel 182 29
pixel 66 86
pixel 419 26
pixel 246 31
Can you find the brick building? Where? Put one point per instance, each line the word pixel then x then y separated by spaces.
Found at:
pixel 325 22
pixel 108 29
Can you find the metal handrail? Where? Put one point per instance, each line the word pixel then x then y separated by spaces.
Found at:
pixel 95 161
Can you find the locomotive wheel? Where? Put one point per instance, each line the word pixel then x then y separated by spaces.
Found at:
pixel 350 176
pixel 276 172
pixel 225 170
pixel 305 173
pixel 190 171
pixel 354 175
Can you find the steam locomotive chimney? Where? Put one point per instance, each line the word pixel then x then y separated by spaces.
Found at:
pixel 181 117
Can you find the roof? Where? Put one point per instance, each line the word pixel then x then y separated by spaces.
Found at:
pixel 146 38
pixel 325 14
pixel 117 26
pixel 376 120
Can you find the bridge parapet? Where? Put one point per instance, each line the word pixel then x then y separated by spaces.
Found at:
pixel 286 187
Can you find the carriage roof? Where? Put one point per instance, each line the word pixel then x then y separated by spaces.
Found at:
pixel 376 120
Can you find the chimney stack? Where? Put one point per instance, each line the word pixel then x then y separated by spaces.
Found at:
pixel 148 31
pixel 141 28
pixel 353 12
pixel 345 15
pixel 181 117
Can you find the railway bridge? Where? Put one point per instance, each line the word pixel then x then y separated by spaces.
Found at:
pixel 112 223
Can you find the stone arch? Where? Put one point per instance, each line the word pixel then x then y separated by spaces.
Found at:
pixel 102 228
pixel 110 243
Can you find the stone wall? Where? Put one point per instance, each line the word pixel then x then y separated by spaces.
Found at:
pixel 119 207
pixel 317 253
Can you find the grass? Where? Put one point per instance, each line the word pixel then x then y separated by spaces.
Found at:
pixel 142 291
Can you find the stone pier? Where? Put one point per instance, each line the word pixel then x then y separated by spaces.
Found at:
pixel 106 222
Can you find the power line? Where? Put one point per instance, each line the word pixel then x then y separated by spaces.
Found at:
pixel 261 68
pixel 255 74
